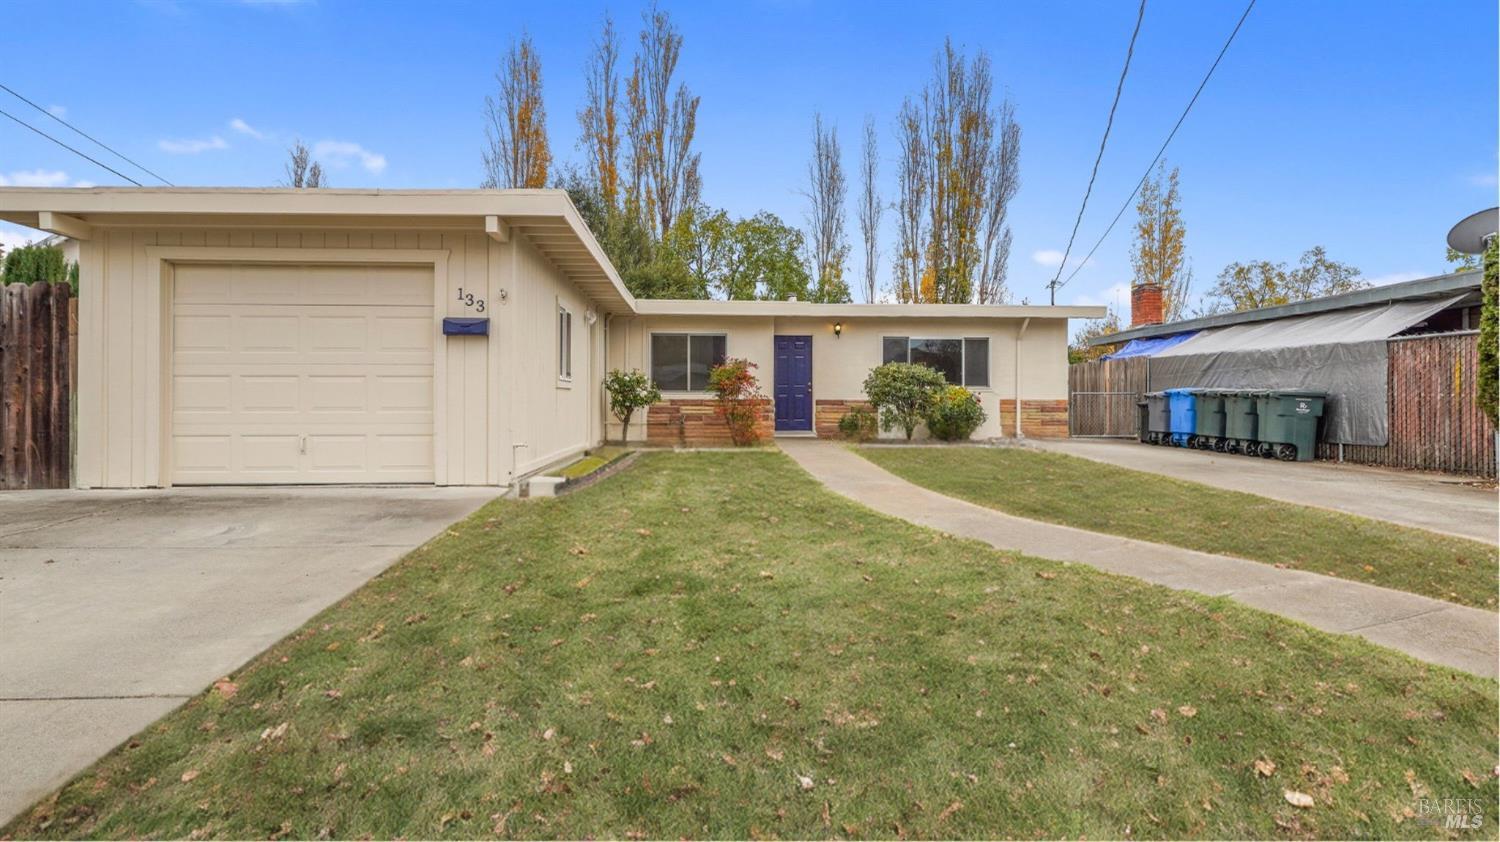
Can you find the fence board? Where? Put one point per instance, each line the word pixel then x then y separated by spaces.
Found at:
pixel 1435 423
pixel 38 332
pixel 1102 396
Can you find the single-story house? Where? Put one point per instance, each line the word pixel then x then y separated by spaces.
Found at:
pixel 454 337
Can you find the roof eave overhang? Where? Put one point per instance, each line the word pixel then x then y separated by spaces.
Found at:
pixel 807 309
pixel 1434 287
pixel 546 218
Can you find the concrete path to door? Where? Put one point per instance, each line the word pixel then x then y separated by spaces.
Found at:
pixel 1437 502
pixel 117 606
pixel 1428 629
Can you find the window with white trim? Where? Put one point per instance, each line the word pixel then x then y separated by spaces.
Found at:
pixel 680 362
pixel 564 344
pixel 963 362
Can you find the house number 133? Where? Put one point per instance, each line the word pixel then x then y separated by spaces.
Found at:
pixel 469 300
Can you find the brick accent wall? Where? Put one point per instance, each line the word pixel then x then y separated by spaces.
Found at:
pixel 1039 419
pixel 695 422
pixel 826 415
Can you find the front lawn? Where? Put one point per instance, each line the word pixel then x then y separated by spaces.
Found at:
pixel 713 645
pixel 1104 498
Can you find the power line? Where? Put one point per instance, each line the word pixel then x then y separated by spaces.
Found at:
pixel 97 142
pixel 1120 86
pixel 71 149
pixel 1163 149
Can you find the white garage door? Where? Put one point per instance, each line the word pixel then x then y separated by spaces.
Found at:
pixel 302 374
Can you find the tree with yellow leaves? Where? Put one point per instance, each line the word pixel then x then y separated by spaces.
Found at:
pixel 1158 255
pixel 660 122
pixel 599 120
pixel 957 172
pixel 518 154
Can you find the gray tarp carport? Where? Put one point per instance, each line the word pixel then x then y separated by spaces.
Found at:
pixel 1343 353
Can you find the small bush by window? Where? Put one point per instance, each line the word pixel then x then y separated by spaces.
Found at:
pixel 858 424
pixel 954 414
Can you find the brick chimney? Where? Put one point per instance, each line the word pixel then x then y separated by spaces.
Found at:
pixel 1145 305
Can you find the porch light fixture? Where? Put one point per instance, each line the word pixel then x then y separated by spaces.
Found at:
pixel 838 329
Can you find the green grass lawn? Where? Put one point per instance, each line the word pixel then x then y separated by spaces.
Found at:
pixel 1103 498
pixel 713 645
pixel 596 459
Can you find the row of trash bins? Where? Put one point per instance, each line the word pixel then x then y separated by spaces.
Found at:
pixel 1267 423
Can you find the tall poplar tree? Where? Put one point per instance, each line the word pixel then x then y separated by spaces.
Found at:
pixel 518 154
pixel 660 122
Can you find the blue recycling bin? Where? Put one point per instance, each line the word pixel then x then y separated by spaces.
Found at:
pixel 1182 421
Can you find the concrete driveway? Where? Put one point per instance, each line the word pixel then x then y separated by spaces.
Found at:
pixel 1437 502
pixel 115 607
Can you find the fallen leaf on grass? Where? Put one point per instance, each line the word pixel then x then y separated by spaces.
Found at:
pixel 275 733
pixel 775 754
pixel 188 776
pixel 1188 711
pixel 729 760
pixel 1159 715
pixel 1042 574
pixel 1297 799
pixel 226 688
pixel 805 782
pixel 584 582
pixel 644 533
pixel 949 810
pixel 549 734
pixel 1264 768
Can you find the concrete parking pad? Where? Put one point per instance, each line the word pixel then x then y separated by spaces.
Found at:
pixel 1438 502
pixel 1428 629
pixel 115 607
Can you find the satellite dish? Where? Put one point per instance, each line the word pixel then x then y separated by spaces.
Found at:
pixel 1469 235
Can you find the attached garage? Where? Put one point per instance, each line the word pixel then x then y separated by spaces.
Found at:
pixel 272 336
pixel 301 374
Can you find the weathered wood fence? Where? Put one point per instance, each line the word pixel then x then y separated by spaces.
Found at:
pixel 1102 396
pixel 38 342
pixel 1435 424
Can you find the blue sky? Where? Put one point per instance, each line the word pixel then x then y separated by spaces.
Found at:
pixel 1369 128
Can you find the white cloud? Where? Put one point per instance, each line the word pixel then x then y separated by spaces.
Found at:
pixel 341 153
pixel 1115 296
pixel 246 129
pixel 14 236
pixel 1396 278
pixel 34 178
pixel 1485 179
pixel 192 146
pixel 1052 258
pixel 58 111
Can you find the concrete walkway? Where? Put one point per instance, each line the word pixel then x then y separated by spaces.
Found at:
pixel 1436 502
pixel 1429 629
pixel 118 606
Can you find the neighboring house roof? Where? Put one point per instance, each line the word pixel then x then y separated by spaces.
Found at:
pixel 547 218
pixel 1440 286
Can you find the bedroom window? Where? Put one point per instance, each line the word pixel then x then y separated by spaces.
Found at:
pixel 680 362
pixel 965 362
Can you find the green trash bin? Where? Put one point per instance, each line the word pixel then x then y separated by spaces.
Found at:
pixel 1239 422
pixel 1208 422
pixel 1287 424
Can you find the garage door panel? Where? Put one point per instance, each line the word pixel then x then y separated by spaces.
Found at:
pixel 298 374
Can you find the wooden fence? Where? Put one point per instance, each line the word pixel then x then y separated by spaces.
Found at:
pixel 1435 424
pixel 1102 396
pixel 38 354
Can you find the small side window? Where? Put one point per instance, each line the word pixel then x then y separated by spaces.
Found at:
pixel 564 344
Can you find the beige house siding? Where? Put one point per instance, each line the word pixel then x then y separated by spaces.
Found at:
pixel 490 393
pixel 841 363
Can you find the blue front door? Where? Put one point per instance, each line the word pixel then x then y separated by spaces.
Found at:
pixel 794 402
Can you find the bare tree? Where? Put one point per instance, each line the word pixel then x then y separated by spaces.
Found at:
pixel 599 120
pixel 660 124
pixel 1004 180
pixel 301 169
pixel 516 127
pixel 870 207
pixel 826 194
pixel 958 171
pixel 911 177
